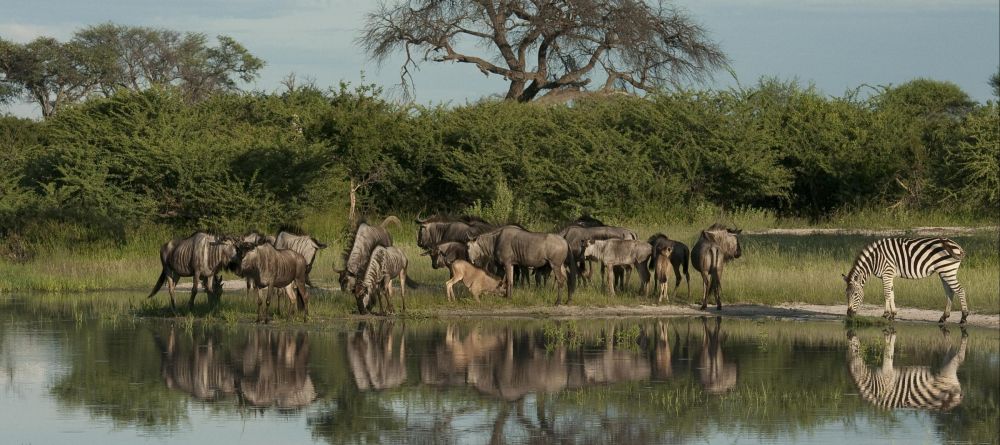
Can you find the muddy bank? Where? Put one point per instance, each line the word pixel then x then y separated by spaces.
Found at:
pixel 793 311
pixel 915 231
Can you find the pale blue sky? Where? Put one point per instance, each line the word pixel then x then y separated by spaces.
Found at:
pixel 836 44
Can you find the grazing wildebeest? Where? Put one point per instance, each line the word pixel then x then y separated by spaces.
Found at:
pixel 439 229
pixel 475 279
pixel 513 246
pixel 577 232
pixel 385 264
pixel 200 256
pixel 679 254
pixel 268 268
pixel 715 247
pixel 364 240
pixel 442 255
pixel 305 245
pixel 618 252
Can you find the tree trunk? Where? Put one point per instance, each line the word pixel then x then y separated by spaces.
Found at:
pixel 354 201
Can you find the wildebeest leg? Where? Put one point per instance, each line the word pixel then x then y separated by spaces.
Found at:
pixel 268 291
pixel 260 305
pixel 560 280
pixel 609 278
pixel 717 287
pixel 509 277
pixel 171 282
pixel 643 272
pixel 705 284
pixel 194 290
pixel 449 292
pixel 402 288
pixel 290 293
pixel 303 299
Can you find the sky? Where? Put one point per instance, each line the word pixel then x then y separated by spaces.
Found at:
pixel 835 45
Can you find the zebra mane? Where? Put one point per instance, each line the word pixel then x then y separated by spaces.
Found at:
pixel 374 269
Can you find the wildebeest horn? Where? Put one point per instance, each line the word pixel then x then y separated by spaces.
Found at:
pixel 426 252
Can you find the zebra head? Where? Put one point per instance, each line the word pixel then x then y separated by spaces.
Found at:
pixel 855 293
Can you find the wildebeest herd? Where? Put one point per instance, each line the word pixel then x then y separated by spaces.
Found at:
pixel 493 259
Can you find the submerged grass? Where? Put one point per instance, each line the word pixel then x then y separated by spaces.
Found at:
pixel 774 269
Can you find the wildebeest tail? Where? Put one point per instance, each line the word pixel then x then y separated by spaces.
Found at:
pixel 159 283
pixel 389 220
pixel 411 283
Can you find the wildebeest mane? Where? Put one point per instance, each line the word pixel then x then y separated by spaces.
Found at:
pixel 294 229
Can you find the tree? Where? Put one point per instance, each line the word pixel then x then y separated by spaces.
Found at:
pixel 107 58
pixel 46 72
pixel 995 83
pixel 548 46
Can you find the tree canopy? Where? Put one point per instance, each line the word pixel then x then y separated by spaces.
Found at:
pixel 555 47
pixel 102 59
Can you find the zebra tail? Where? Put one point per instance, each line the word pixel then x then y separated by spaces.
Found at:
pixel 953 249
pixel 159 283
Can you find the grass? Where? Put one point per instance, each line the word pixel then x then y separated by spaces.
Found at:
pixel 774 269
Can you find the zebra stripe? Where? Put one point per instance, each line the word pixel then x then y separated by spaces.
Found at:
pixel 889 387
pixel 385 264
pixel 910 258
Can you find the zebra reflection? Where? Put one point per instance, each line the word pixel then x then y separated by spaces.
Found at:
pixel 918 387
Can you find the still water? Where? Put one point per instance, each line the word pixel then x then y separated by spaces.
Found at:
pixel 625 381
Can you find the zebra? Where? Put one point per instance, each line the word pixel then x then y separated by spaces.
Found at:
pixel 889 387
pixel 385 264
pixel 888 258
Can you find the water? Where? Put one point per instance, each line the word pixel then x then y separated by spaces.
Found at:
pixel 479 381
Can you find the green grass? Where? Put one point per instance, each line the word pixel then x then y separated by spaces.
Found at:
pixel 773 270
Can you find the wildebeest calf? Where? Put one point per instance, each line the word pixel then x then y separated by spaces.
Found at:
pixel 617 252
pixel 679 255
pixel 269 268
pixel 199 256
pixel 475 279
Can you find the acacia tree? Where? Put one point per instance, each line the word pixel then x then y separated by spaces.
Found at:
pixel 105 58
pixel 547 46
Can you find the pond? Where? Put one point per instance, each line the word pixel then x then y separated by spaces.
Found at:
pixel 494 381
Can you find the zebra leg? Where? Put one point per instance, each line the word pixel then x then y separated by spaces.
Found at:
pixel 890 296
pixel 952 288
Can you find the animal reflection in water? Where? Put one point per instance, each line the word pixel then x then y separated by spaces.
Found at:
pixel 906 387
pixel 509 365
pixel 377 361
pixel 268 370
pixel 717 376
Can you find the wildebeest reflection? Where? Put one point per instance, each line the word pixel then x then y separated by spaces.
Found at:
pixel 510 365
pixel 376 361
pixel 910 386
pixel 270 369
pixel 717 376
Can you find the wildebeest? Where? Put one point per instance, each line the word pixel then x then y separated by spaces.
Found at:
pixel 513 246
pixel 678 260
pixel 716 246
pixel 617 252
pixel 269 268
pixel 442 255
pixel 439 229
pixel 200 256
pixel 475 279
pixel 385 264
pixel 583 229
pixel 660 262
pixel 305 245
pixel 359 248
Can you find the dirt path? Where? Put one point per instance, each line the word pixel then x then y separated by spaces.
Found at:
pixel 916 231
